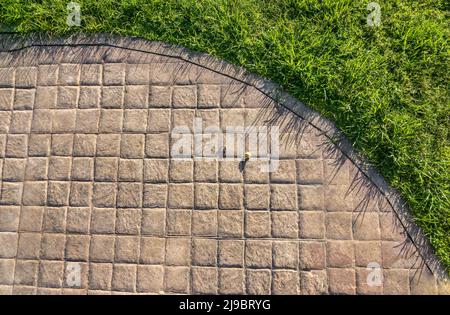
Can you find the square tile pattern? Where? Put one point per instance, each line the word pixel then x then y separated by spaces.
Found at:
pixel 92 200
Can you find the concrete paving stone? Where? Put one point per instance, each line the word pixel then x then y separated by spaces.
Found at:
pixel 283 197
pixel 230 172
pixel 160 96
pixel 231 281
pixel 7 77
pixel 84 144
pixel 58 193
pixel 178 251
pixel 156 170
pixel 106 169
pixel 89 97
pixel 208 96
pixel 108 145
pixel 103 221
pixel 206 171
pixel 340 254
pixel 24 290
pixel 46 97
pixel 178 222
pixel 366 282
pixel 257 224
pixel 285 224
pixel 210 119
pixel 311 224
pixel 5 118
pixel 312 255
pixel 337 198
pixel 126 249
pixel 204 222
pixel 258 281
pixel 114 74
pixel 231 253
pixel 21 122
pixel 11 193
pixel 50 274
pixel 181 171
pixel 153 222
pixel 285 282
pixel 48 75
pixel 69 74
pixel 206 196
pixel 130 170
pixel 184 97
pixel 395 281
pixel 26 272
pixel 128 221
pixel 137 74
pixel 55 219
pixel 204 252
pixel 366 226
pixel 124 277
pixel 34 193
pixel 136 96
pixel 341 281
pixel 111 121
pixel 367 252
pixel 87 121
pixel 257 197
pixel 104 195
pixel 129 195
pixel 176 279
pixel 181 196
pixel 232 96
pixel 338 225
pixel 158 120
pixel 230 223
pixel 157 145
pixel 16 146
pixel 102 248
pixel 253 173
pixel 135 120
pixel 25 77
pixel 285 255
pixel 9 218
pixel 24 99
pixel 78 220
pixel 100 276
pixel 155 195
pixel 204 280
pixel 52 247
pixel 231 196
pixel 258 254
pixel 150 279
pixel 152 250
pixel 285 172
pixel 61 144
pixel 310 171
pixel 31 219
pixel 36 169
pixel 39 145
pixel 7 271
pixel 314 282
pixel 14 170
pixel 63 121
pixel 67 97
pixel 91 74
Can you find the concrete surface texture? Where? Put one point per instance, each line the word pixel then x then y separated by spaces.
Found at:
pixel 95 200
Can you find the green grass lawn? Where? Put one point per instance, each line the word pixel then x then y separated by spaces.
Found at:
pixel 386 87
